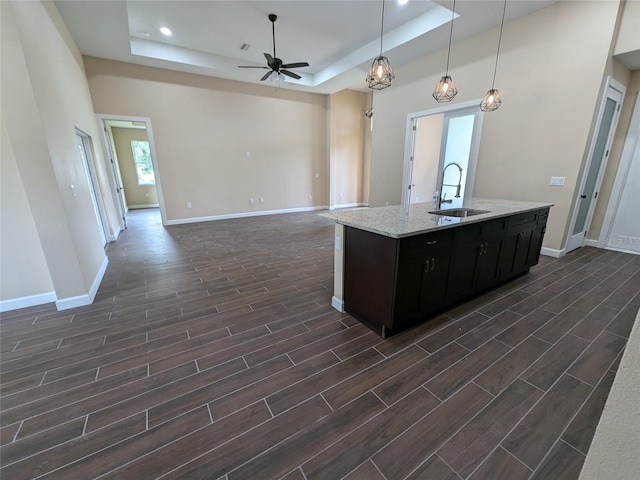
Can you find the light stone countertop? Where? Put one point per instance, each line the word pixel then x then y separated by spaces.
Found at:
pixel 399 221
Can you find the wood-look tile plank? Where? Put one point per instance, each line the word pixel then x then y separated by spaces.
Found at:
pixel 562 323
pixel 562 462
pixel 313 438
pixel 580 431
pixel 69 452
pixel 264 387
pixel 229 456
pixel 311 386
pixel 351 388
pixel 366 471
pixel 500 375
pixel 434 468
pixel 408 451
pixel 534 436
pixel 501 464
pixel 392 390
pixel 453 331
pixel 475 441
pixel 399 342
pixel 623 322
pixel 489 329
pixel 596 360
pixel 528 324
pixel 356 447
pixel 122 453
pixel 504 303
pixel 596 321
pixel 547 369
pixel 466 369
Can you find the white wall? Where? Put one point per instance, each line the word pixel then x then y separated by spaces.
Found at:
pixel 23 269
pixel 45 97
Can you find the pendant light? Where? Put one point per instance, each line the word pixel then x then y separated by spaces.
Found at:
pixel 380 74
pixel 492 100
pixel 446 89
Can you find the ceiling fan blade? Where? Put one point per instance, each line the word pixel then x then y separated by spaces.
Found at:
pixel 266 75
pixel 251 66
pixel 295 65
pixel 269 58
pixel 291 74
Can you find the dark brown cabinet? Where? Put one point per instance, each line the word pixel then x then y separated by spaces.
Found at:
pixel 392 284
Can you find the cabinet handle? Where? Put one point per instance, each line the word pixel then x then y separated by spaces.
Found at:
pixel 481 248
pixel 433 263
pixel 432 242
pixel 486 247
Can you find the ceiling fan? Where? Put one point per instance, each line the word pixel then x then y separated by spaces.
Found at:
pixel 274 64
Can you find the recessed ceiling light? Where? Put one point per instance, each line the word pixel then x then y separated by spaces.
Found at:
pixel 402 2
pixel 165 31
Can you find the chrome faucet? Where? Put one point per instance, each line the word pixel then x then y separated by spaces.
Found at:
pixel 441 197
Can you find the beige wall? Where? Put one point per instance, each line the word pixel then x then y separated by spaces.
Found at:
pixel 347 128
pixel 542 127
pixel 203 128
pixel 45 97
pixel 23 268
pixel 137 195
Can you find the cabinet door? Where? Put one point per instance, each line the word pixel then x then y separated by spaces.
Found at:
pixel 464 262
pixel 434 280
pixel 489 263
pixel 536 245
pixel 411 270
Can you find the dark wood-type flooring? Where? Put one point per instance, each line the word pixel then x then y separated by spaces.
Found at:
pixel 212 351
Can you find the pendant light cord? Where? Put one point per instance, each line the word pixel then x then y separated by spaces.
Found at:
pixel 382 28
pixel 504 9
pixel 453 13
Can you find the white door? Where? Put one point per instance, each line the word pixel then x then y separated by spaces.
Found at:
pixel 621 225
pixel 85 153
pixel 596 163
pixel 440 138
pixel 117 177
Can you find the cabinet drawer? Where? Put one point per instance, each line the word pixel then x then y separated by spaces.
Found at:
pixel 416 243
pixel 480 230
pixel 524 218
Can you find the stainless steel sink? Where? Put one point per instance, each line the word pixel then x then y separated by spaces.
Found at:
pixel 459 212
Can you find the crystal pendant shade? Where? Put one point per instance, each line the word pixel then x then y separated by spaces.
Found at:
pixel 491 101
pixel 380 74
pixel 445 90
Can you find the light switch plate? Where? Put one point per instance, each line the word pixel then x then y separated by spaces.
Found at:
pixel 557 181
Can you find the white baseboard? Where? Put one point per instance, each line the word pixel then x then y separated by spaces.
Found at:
pixel 82 300
pixel 337 304
pixel 590 243
pixel 552 252
pixel 24 302
pixel 348 205
pixel 146 205
pixel 181 221
pixel 117 233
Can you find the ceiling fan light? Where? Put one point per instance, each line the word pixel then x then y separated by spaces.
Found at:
pixel 491 101
pixel 445 90
pixel 380 74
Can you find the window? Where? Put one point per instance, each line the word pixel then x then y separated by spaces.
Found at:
pixel 142 160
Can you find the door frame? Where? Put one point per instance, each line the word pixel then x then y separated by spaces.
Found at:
pixel 631 143
pixel 611 90
pixel 154 159
pixel 409 143
pixel 94 186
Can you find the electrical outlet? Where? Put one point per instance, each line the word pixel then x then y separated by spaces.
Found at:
pixel 261 199
pixel 557 181
pixel 250 199
pixel 317 175
pixel 188 204
pixel 310 197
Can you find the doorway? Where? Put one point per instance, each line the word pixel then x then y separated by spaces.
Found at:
pixel 84 148
pixel 598 155
pixel 134 173
pixel 442 148
pixel 621 228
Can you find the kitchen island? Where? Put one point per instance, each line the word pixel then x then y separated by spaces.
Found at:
pixel 396 266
